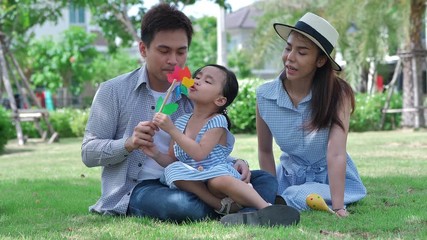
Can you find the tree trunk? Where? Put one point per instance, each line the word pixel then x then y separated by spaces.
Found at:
pixel 412 60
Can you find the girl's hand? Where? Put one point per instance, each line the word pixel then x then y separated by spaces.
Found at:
pixel 153 152
pixel 163 121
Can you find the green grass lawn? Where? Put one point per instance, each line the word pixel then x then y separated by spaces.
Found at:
pixel 45 191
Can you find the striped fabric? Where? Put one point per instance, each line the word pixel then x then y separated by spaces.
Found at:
pixel 214 165
pixel 303 164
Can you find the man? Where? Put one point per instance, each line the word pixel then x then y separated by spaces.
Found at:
pixel 119 126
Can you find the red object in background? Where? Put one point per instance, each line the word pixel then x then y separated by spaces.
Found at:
pixel 40 97
pixel 380 83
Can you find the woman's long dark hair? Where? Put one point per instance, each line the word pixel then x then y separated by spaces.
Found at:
pixel 328 94
pixel 229 91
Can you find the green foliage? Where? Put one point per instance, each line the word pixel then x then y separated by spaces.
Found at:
pixel 67 122
pixel 107 66
pixel 367 29
pixel 78 122
pixel 238 61
pixel 63 63
pixel 6 128
pixel 17 17
pixel 61 120
pixel 113 19
pixel 367 115
pixel 242 111
pixel 203 45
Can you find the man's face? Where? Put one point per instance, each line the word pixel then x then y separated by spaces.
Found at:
pixel 168 49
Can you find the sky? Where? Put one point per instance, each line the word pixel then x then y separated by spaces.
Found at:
pixel 204 7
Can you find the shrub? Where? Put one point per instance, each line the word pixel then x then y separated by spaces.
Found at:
pixel 78 123
pixel 367 115
pixel 242 111
pixel 6 128
pixel 61 122
pixel 67 122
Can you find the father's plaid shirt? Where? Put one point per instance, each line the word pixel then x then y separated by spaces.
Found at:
pixel 119 105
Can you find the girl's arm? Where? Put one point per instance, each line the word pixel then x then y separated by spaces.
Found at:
pixel 196 150
pixel 337 157
pixel 162 159
pixel 265 145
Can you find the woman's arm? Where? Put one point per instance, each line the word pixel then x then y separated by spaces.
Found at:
pixel 337 158
pixel 265 145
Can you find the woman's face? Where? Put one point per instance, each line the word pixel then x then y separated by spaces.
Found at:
pixel 301 57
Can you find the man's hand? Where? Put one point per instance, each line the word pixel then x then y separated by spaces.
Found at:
pixel 142 136
pixel 243 168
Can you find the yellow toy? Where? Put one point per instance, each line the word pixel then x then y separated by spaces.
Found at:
pixel 316 202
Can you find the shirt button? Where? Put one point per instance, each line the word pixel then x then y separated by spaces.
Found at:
pixel 128 193
pixel 139 164
pixel 153 107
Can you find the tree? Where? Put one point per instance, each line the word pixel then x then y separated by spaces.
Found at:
pixel 65 63
pixel 413 55
pixel 203 46
pixel 114 19
pixel 369 30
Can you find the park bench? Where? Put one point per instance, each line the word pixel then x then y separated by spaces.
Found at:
pixel 36 116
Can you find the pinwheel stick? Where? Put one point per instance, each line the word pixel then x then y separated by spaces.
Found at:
pixel 167 96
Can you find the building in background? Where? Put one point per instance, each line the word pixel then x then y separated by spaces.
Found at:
pixel 240 26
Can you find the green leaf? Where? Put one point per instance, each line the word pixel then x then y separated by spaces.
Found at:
pixel 159 103
pixel 168 109
pixel 184 90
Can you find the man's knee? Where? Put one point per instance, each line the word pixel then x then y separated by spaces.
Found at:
pixel 260 177
pixel 182 206
pixel 265 184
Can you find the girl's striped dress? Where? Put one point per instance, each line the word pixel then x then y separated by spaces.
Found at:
pixel 214 165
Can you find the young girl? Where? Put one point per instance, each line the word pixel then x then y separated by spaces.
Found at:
pixel 307 111
pixel 202 144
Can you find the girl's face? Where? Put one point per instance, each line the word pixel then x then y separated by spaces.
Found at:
pixel 301 57
pixel 208 85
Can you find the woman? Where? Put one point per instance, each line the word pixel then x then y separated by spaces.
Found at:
pixel 307 111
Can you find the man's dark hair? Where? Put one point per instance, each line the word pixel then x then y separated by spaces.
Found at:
pixel 164 17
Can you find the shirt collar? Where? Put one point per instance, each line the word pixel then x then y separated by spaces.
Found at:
pixel 277 92
pixel 142 78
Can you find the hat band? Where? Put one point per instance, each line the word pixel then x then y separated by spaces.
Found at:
pixel 319 37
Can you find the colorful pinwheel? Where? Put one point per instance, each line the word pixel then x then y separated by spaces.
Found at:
pixel 183 77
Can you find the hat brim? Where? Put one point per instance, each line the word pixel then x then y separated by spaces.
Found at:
pixel 284 30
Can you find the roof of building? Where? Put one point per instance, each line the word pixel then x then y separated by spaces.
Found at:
pixel 242 18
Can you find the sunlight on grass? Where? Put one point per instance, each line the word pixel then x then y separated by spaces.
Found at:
pixel 46 191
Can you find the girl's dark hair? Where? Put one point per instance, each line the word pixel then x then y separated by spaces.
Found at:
pixel 230 89
pixel 328 93
pixel 164 17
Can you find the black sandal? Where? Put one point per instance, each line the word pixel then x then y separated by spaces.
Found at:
pixel 274 215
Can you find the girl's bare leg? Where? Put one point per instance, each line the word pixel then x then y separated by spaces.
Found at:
pixel 237 190
pixel 201 190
